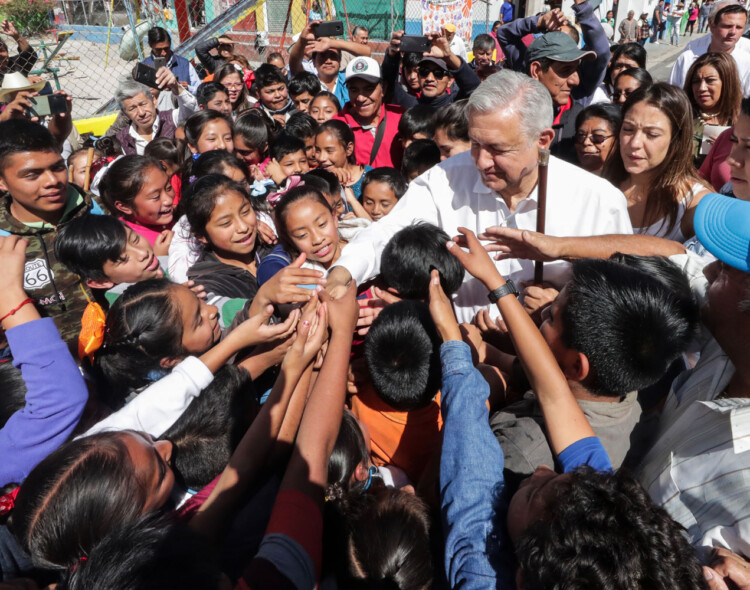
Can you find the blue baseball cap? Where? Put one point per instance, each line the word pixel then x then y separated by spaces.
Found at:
pixel 722 224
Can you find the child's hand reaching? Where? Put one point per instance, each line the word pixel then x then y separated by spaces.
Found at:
pixel 15 306
pixel 284 287
pixel 199 290
pixel 266 233
pixel 274 172
pixel 312 332
pixel 441 310
pixel 257 330
pixel 343 311
pixel 161 245
pixel 476 261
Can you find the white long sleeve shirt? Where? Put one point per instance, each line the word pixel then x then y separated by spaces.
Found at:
pixel 157 407
pixel 452 195
pixel 698 47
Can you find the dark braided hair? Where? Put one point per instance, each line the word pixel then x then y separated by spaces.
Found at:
pixel 143 327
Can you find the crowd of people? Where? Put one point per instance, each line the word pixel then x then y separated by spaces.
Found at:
pixel 295 326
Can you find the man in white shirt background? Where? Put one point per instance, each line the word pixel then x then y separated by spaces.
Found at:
pixel 510 119
pixel 726 21
pixel 458 47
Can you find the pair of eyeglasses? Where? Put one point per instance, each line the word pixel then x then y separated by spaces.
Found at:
pixel 617 94
pixel 423 72
pixel 596 138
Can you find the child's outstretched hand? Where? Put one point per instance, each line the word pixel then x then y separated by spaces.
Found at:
pixel 476 261
pixel 312 332
pixel 257 330
pixel 284 286
pixel 12 263
pixel 441 310
pixel 266 233
pixel 343 311
pixel 162 242
pixel 199 290
pixel 274 172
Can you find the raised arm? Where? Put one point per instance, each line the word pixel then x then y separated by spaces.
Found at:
pixel 566 423
pixel 297 52
pixel 591 72
pixel 56 393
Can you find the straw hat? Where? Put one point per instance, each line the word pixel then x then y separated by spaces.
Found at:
pixel 15 81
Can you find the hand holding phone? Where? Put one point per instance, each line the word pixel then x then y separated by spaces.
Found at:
pixel 49 104
pixel 145 74
pixel 415 44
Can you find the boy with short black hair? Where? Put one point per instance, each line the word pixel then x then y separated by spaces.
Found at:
pixel 107 254
pixel 411 254
pixel 304 127
pixel 302 88
pixel 290 153
pixel 270 86
pixel 37 204
pixel 416 123
pixel 381 190
pixel 419 157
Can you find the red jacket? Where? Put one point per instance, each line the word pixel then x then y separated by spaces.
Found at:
pixel 390 152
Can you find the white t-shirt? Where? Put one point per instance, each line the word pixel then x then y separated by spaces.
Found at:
pixel 452 195
pixel 698 47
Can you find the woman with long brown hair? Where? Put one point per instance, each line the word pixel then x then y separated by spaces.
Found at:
pixel 653 165
pixel 713 87
pixel 231 77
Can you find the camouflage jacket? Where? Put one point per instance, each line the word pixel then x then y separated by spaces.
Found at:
pixel 59 293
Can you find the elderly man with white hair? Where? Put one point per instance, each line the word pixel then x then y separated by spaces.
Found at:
pixel 495 184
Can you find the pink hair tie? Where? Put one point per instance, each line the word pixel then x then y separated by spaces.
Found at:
pixel 8 501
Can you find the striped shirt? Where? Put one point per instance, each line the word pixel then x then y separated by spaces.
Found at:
pixel 699 468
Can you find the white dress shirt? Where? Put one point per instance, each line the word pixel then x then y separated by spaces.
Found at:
pixel 458 47
pixel 698 47
pixel 452 195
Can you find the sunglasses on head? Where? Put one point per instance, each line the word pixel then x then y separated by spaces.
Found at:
pixel 596 138
pixel 424 71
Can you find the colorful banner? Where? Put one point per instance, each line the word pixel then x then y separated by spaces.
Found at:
pixel 437 14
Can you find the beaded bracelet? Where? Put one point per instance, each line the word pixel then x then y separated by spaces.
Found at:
pixel 13 311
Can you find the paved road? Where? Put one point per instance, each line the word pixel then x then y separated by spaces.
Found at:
pixel 662 56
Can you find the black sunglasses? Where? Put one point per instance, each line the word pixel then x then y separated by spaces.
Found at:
pixel 596 138
pixel 423 72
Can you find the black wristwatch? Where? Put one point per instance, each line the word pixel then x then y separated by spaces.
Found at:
pixel 507 289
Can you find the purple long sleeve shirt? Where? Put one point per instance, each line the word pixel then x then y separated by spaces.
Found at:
pixel 55 399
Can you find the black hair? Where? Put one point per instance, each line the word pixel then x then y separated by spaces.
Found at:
pixel 14 390
pixel 349 451
pixel 418 119
pixel 402 350
pixel 607 111
pixel 86 243
pixel 411 254
pixel 318 183
pixel 632 51
pixel 628 322
pixel 197 122
pixel 745 108
pixel 285 144
pixel 254 128
pixel 379 539
pixel 211 162
pixel 203 195
pixel 390 176
pixel 158 35
pixel 419 157
pixel 342 132
pixel 639 74
pixel 164 148
pixel 729 9
pixel 333 186
pixel 483 41
pixel 124 180
pixel 207 91
pixel 143 327
pixel 87 480
pixel 411 59
pixel 303 82
pixel 330 96
pixel 148 554
pixel 301 125
pixel 293 195
pixel 454 120
pixel 267 75
pixel 573 546
pixel 209 430
pixel 21 135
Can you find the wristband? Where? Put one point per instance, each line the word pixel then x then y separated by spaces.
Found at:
pixel 507 289
pixel 13 311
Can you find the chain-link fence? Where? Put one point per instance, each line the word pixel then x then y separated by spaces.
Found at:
pixel 86 47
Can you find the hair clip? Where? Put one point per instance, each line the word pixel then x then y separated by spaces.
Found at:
pixel 8 501
pixel 370 472
pixel 196 156
pixel 192 179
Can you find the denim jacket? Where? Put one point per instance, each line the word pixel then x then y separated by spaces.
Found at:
pixel 471 476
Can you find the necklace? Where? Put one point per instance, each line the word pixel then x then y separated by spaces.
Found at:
pixel 707 116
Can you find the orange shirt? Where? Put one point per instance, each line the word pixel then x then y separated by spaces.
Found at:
pixel 405 439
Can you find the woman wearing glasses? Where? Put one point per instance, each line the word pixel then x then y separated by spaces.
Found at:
pixel 713 88
pixel 232 78
pixel 597 127
pixel 652 163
